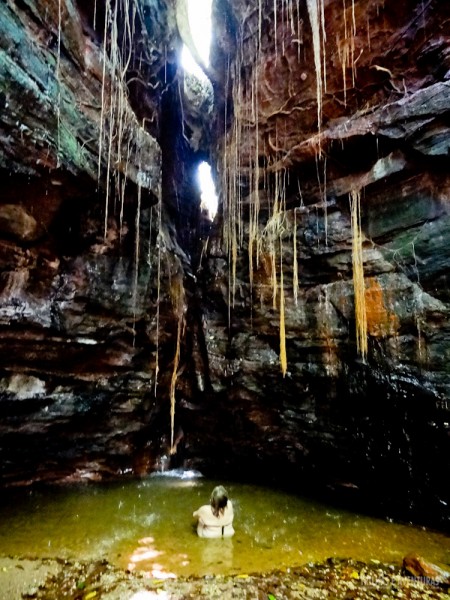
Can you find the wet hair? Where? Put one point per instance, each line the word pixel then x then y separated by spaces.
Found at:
pixel 219 500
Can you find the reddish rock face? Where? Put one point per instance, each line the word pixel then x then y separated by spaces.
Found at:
pixel 101 279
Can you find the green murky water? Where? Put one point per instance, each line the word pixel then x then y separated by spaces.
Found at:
pixel 147 525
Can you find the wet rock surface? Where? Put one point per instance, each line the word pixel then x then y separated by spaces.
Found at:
pixel 88 313
pixel 417 566
pixel 23 578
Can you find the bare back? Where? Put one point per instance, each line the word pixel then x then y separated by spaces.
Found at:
pixel 210 526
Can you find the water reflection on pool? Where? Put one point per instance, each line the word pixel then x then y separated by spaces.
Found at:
pixel 147 525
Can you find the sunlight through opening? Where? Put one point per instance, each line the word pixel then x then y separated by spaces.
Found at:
pixel 189 64
pixel 199 14
pixel 209 200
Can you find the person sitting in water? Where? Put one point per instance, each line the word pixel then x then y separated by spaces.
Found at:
pixel 216 518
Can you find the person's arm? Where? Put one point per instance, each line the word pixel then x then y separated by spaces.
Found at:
pixel 202 511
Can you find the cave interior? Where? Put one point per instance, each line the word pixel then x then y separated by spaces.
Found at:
pixel 298 337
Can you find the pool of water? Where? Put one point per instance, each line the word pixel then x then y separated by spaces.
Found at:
pixel 147 525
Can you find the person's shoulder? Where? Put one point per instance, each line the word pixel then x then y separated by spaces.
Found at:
pixel 204 510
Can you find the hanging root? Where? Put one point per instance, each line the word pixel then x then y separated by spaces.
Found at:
pixel 283 357
pixel 317 20
pixel 358 275
pixel 295 270
pixel 178 300
pixel 173 383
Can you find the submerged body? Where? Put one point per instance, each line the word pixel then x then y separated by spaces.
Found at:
pixel 216 518
pixel 210 526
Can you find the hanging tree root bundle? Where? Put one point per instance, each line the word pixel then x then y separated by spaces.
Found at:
pixel 358 275
pixel 243 169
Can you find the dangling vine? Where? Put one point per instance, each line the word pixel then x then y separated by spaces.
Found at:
pixel 358 274
pixel 283 356
pixel 178 301
pixel 245 148
pixel 122 137
pixel 317 19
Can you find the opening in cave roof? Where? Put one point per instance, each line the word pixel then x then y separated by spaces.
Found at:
pixel 199 13
pixel 209 199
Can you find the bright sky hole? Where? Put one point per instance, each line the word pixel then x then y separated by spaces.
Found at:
pixel 209 200
pixel 199 13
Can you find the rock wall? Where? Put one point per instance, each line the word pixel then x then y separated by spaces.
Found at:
pixel 89 254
